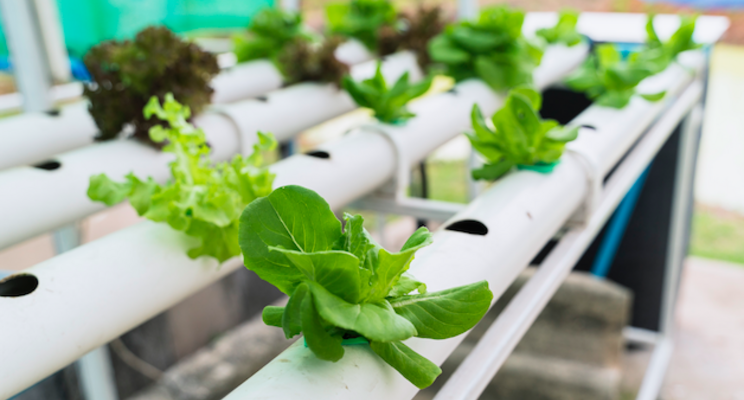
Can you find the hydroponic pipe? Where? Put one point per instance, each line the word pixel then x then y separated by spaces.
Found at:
pixel 32 138
pixel 43 200
pixel 519 215
pixel 113 284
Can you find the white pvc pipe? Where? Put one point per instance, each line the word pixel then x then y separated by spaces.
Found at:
pixel 115 283
pixel 44 200
pixel 31 138
pixel 245 80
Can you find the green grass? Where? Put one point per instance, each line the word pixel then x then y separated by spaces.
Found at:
pixel 717 234
pixel 446 181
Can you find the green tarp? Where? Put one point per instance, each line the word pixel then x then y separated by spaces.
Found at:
pixel 88 22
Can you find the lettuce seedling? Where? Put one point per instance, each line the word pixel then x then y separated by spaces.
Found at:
pixel 492 49
pixel 388 104
pixel 564 31
pixel 520 136
pixel 305 61
pixel 268 33
pixel 202 200
pixel 126 74
pixel 611 81
pixel 657 54
pixel 343 285
pixel 361 19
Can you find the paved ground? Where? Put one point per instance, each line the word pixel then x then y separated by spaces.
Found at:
pixel 708 361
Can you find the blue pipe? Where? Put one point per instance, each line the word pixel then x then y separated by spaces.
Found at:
pixel 616 228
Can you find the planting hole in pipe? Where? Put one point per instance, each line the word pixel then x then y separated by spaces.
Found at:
pixel 563 105
pixel 588 127
pixel 18 285
pixel 53 113
pixel 469 226
pixel 318 154
pixel 453 91
pixel 263 99
pixel 49 165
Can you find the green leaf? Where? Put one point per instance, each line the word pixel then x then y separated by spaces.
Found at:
pixel 414 367
pixel 387 103
pixel 361 19
pixel 269 32
pixel 447 313
pixel 491 172
pixel 291 321
pixel 375 320
pixel 324 345
pixel 654 96
pixel 406 284
pixel 272 316
pixel 103 189
pixel 390 266
pixel 293 218
pixel 355 238
pixel 337 271
pixel 563 134
pixel 564 31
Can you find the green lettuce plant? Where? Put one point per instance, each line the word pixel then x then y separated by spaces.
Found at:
pixel 361 19
pixel 269 32
pixel 520 137
pixel 388 103
pixel 564 31
pixel 611 81
pixel 126 74
pixel 343 285
pixel 657 54
pixel 202 200
pixel 306 61
pixel 491 48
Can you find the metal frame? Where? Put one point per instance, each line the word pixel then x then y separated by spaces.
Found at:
pixel 31 64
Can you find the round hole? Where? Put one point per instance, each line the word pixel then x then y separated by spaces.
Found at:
pixel 469 226
pixel 50 165
pixel 319 154
pixel 53 113
pixel 589 127
pixel 263 99
pixel 453 91
pixel 18 285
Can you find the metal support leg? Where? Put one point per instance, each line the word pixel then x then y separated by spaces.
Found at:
pixel 676 252
pixel 27 53
pixel 94 369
